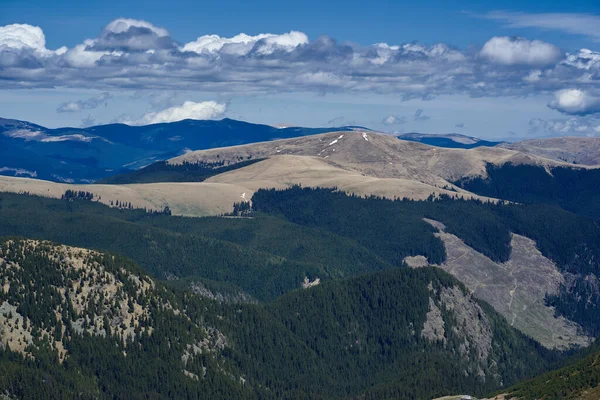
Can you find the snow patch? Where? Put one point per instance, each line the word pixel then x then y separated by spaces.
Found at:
pixel 19 171
pixel 39 136
pixel 335 141
pixel 64 138
pixel 364 135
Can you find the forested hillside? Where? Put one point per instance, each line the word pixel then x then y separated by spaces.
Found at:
pixel 94 326
pixel 162 171
pixel 574 189
pixel 80 324
pixel 578 380
pixel 266 256
pixel 571 241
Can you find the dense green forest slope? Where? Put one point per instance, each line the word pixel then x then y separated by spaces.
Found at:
pixel 574 189
pixel 571 241
pixel 317 233
pixel 162 171
pixel 578 380
pixel 81 324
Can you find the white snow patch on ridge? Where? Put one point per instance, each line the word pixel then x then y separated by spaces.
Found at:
pixel 19 171
pixel 335 141
pixel 38 136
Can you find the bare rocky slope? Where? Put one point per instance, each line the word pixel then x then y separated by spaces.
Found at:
pixel 516 288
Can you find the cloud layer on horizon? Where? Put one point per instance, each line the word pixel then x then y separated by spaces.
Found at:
pixel 133 54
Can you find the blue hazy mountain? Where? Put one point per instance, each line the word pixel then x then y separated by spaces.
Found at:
pixel 451 140
pixel 89 154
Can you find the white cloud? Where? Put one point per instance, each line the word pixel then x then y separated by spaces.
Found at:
pixel 394 120
pixel 136 55
pixel 81 57
pixel 575 102
pixel 242 44
pixel 520 51
pixel 238 44
pixel 584 59
pixel 123 25
pixel 132 35
pixel 560 127
pixel 19 36
pixel 287 42
pixel 89 104
pixel 534 76
pixel 188 110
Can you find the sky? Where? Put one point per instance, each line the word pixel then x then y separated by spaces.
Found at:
pixel 505 70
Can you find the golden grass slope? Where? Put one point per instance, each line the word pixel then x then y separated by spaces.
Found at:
pixel 285 170
pixel 377 155
pixel 189 199
pixel 363 163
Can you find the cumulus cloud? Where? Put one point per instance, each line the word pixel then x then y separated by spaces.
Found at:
pixel 588 126
pixel 24 46
pixel 132 35
pixel 394 120
pixel 584 59
pixel 242 44
pixel 22 36
pixel 520 51
pixel 135 55
pixel 188 110
pixel 89 104
pixel 575 102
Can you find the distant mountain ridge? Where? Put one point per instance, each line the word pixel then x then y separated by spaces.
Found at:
pixel 450 140
pixel 571 149
pixel 84 155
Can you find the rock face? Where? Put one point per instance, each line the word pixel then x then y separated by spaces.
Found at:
pixel 470 323
pixel 433 328
pixel 516 289
pixel 455 319
pixel 416 261
pixel 474 326
pixel 200 289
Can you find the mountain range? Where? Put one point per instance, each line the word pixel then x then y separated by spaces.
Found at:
pixel 452 140
pixel 83 155
pixel 340 263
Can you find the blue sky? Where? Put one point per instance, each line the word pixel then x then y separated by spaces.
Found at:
pixel 505 70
